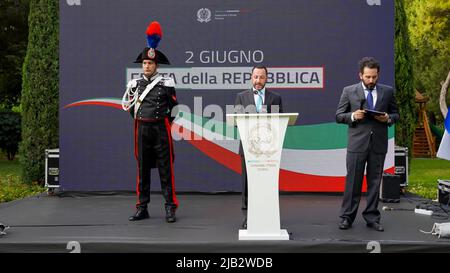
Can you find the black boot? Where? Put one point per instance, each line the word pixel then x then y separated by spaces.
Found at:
pixel 170 215
pixel 140 214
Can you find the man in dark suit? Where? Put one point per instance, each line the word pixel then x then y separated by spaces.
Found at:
pixel 367 140
pixel 255 100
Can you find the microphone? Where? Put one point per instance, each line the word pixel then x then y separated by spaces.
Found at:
pixel 361 106
pixel 255 92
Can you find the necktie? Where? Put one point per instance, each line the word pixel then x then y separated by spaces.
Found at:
pixel 370 99
pixel 259 102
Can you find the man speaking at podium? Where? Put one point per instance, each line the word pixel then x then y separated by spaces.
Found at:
pixel 368 108
pixel 255 100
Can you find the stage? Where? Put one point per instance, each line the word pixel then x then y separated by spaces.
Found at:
pixel 207 223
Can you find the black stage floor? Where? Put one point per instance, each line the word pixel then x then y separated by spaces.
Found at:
pixel 206 223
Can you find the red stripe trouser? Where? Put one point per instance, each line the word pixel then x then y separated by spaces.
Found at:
pixel 153 143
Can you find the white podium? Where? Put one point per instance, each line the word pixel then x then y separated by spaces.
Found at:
pixel 262 137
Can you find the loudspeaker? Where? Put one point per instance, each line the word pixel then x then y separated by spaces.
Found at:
pixel 443 191
pixel 401 164
pixel 52 168
pixel 390 188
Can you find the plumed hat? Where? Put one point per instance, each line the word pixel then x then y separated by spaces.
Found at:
pixel 154 35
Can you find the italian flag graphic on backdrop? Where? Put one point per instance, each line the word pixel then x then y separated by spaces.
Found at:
pixel 313 154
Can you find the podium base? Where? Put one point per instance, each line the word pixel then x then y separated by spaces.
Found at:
pixel 245 235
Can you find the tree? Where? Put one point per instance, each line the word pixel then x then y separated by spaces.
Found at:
pixel 40 89
pixel 13 45
pixel 404 84
pixel 9 133
pixel 429 29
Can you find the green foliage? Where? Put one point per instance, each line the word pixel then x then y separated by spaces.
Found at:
pixel 429 28
pixel 11 185
pixel 424 175
pixel 404 83
pixel 9 133
pixel 12 188
pixel 40 89
pixel 13 45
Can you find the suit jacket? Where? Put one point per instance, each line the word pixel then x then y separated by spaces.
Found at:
pixel 360 132
pixel 245 104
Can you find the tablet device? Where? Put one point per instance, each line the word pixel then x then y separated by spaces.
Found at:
pixel 374 113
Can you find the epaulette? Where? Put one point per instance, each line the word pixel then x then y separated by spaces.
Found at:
pixel 167 81
pixel 132 83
